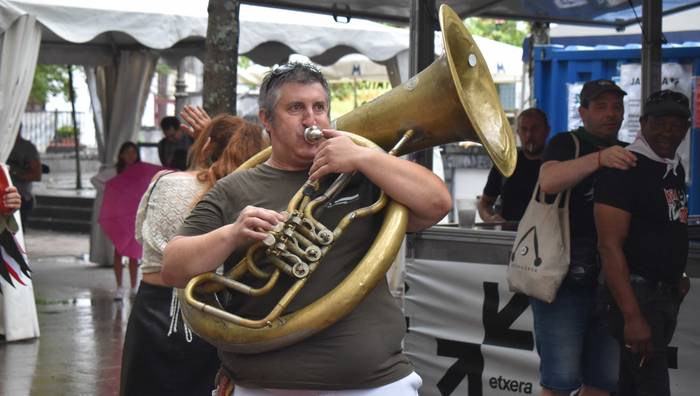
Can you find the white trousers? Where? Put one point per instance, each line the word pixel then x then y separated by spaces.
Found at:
pixel 407 386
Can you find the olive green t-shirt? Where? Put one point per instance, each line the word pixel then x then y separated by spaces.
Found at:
pixel 363 349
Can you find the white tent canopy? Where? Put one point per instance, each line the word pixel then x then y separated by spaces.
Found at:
pixel 355 66
pixel 82 32
pixel 87 32
pixel 503 60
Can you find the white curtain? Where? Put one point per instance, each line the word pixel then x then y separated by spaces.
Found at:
pixel 127 100
pixel 20 49
pixel 19 40
pixel 96 103
pixel 118 95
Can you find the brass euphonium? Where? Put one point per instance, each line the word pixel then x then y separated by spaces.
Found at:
pixel 454 99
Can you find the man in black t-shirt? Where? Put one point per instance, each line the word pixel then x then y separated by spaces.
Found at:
pixel 515 191
pixel 575 349
pixel 641 216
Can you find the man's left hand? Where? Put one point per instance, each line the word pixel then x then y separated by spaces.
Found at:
pixel 637 335
pixel 337 154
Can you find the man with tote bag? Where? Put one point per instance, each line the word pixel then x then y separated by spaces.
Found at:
pixel 576 351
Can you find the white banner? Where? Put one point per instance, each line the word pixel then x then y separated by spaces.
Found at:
pixel 674 76
pixel 469 336
pixel 573 91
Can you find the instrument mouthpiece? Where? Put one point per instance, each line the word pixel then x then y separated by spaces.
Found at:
pixel 313 134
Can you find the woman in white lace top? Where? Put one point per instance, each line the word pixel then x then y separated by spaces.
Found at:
pixel 157 358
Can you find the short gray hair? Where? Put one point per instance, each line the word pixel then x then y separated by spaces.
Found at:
pixel 293 72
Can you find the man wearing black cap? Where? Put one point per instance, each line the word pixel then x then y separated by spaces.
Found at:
pixel 641 216
pixel 576 351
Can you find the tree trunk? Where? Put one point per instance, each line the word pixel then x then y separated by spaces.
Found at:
pixel 221 59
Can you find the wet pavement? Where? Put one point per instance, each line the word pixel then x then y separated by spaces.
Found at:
pixel 82 326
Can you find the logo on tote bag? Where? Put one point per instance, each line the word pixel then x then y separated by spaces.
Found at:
pixel 522 249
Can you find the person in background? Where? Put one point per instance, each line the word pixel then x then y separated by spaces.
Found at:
pixel 641 215
pixel 575 348
pixel 172 149
pixel 515 191
pixel 25 168
pixel 156 359
pixel 128 155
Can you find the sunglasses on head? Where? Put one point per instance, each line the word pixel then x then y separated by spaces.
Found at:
pixel 665 95
pixel 288 67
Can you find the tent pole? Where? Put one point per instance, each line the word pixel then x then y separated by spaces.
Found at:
pixel 651 47
pixel 539 35
pixel 422 47
pixel 76 132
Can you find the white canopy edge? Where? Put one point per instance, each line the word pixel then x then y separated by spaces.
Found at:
pixel 265 34
pixel 81 25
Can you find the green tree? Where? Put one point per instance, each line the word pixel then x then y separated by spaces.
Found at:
pixel 48 80
pixel 505 31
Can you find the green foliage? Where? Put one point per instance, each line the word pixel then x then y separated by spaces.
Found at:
pixel 343 95
pixel 498 29
pixel 344 90
pixel 341 91
pixel 244 62
pixel 49 80
pixel 163 68
pixel 65 131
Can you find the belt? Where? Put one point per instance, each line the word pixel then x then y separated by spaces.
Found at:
pixel 659 286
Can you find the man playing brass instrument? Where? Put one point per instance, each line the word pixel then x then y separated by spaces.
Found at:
pixel 361 353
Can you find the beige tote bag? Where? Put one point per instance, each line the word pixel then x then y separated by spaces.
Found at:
pixel 540 257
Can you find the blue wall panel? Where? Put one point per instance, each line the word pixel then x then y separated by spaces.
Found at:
pixel 556 66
